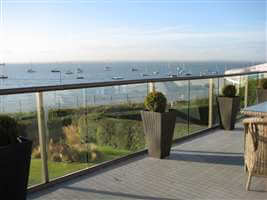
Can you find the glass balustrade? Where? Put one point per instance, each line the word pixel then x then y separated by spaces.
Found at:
pixel 89 126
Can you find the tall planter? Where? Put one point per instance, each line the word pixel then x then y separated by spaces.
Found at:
pixel 261 95
pixel 14 170
pixel 228 109
pixel 158 128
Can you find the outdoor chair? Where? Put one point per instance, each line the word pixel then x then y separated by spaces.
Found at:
pixel 255 147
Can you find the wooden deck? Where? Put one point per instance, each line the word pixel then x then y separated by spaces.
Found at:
pixel 207 167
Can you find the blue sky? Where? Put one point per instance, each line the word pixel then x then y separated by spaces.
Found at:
pixel 87 30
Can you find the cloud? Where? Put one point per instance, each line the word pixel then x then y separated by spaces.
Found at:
pixel 125 43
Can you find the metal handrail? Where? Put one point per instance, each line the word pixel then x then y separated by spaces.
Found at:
pixel 10 91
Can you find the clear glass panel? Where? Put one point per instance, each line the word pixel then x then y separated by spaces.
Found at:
pixel 177 97
pixel 253 81
pixel 217 82
pixel 22 107
pixel 90 126
pixel 199 105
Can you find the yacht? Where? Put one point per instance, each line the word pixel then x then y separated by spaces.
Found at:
pixel 3 77
pixel 107 68
pixel 143 74
pixel 79 70
pixel 55 70
pixel 172 75
pixel 31 70
pixel 68 72
pixel 134 69
pixel 117 78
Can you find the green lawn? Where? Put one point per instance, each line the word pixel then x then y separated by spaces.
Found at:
pixel 57 169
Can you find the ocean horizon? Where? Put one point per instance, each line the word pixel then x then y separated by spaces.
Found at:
pixel 41 74
pixel 36 74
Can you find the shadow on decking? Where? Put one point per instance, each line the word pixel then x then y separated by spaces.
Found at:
pixel 224 158
pixel 117 194
pixel 103 192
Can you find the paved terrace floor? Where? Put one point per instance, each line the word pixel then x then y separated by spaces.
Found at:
pixel 207 167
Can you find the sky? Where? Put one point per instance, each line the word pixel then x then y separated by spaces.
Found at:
pixel 134 30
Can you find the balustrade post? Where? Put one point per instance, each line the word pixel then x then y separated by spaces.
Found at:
pixel 210 103
pixel 151 87
pixel 246 92
pixel 42 130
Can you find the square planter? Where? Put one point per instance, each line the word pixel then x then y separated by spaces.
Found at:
pixel 158 128
pixel 14 170
pixel 228 109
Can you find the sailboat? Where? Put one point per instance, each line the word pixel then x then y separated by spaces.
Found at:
pixel 55 70
pixel 107 68
pixel 30 71
pixel 79 70
pixel 3 76
pixel 68 72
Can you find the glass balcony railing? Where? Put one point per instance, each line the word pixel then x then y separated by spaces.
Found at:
pixel 87 124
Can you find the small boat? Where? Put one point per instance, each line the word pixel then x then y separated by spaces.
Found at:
pixel 2 64
pixel 55 70
pixel 134 70
pixel 188 74
pixel 3 77
pixel 68 72
pixel 117 78
pixel 79 70
pixel 80 77
pixel 31 71
pixel 107 68
pixel 172 75
pixel 143 74
pixel 156 72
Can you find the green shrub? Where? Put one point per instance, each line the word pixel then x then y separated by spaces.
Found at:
pixel 8 130
pixel 56 157
pixel 263 83
pixel 66 121
pixel 36 153
pixel 120 134
pixel 229 91
pixel 155 101
pixel 87 128
pixel 54 113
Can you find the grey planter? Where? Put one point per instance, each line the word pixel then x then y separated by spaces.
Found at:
pixel 228 109
pixel 261 95
pixel 158 128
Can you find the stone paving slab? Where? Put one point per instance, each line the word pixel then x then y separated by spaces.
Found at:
pixel 208 167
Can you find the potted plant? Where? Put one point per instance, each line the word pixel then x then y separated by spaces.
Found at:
pixel 262 90
pixel 228 106
pixel 158 125
pixel 15 156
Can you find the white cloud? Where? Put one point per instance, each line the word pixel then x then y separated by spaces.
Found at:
pixel 124 43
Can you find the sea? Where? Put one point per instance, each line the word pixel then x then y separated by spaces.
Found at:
pixel 47 74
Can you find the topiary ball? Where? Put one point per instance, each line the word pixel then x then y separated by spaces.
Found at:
pixel 156 102
pixel 229 91
pixel 263 83
pixel 8 130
